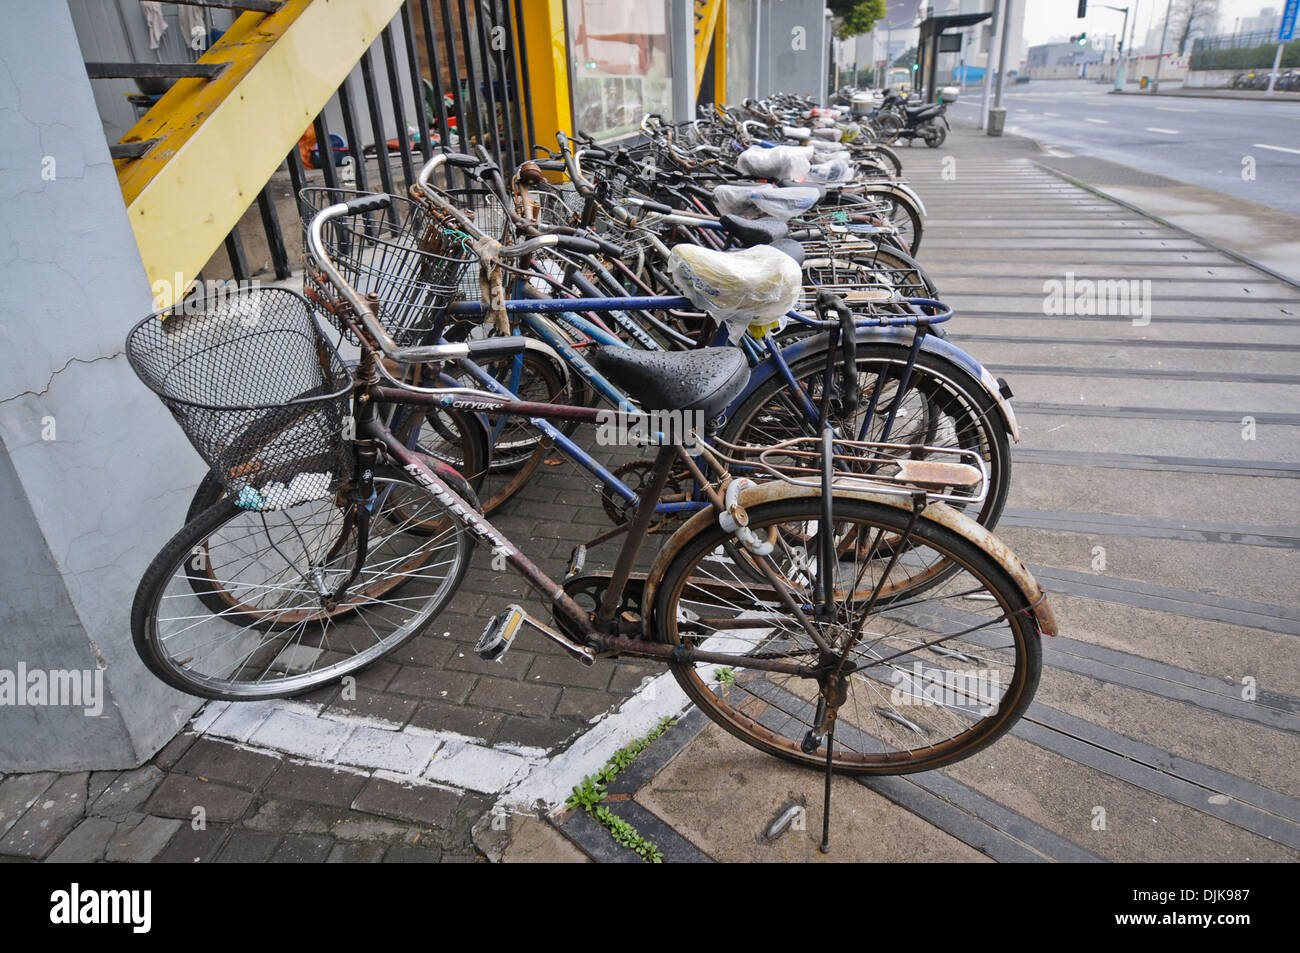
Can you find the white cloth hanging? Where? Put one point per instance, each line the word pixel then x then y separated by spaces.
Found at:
pixel 153 18
pixel 190 22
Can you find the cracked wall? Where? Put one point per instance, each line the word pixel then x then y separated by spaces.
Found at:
pixel 94 474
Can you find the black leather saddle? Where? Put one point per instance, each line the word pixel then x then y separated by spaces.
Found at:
pixel 705 380
pixel 751 232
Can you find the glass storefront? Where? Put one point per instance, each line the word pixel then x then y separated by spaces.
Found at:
pixel 621 65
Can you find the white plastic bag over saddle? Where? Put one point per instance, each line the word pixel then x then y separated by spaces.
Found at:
pixel 821 147
pixel 831 173
pixel 758 200
pixel 781 162
pixel 752 286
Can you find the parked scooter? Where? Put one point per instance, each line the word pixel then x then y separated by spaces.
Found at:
pixel 925 121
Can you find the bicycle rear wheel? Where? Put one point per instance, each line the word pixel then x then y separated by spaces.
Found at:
pixel 942 406
pixel 231 607
pixel 939 672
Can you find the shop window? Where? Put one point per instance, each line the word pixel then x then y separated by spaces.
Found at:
pixel 621 65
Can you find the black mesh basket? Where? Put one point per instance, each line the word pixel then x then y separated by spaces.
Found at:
pixel 404 255
pixel 257 387
pixel 484 208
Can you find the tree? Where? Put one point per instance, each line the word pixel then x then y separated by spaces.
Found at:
pixel 906 58
pixel 1192 16
pixel 856 16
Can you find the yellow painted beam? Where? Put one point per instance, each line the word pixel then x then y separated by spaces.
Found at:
pixel 222 140
pixel 704 35
pixel 720 55
pixel 547 69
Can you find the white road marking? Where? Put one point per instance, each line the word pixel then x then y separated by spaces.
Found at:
pixel 1260 145
pixel 1176 109
pixel 1053 115
pixel 1101 122
pixel 1168 132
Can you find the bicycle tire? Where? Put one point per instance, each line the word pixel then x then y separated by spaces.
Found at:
pixel 279 631
pixel 773 715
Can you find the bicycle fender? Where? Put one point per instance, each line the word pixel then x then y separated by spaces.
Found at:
pixel 911 194
pixel 900 188
pixel 955 520
pixel 933 344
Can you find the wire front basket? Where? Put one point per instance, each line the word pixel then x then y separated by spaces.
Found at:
pixel 484 208
pixel 257 387
pixel 405 255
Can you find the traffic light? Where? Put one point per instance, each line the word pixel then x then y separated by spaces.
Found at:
pixel 1083 9
pixel 1083 39
pixel 915 67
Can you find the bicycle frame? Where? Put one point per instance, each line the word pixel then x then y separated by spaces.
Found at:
pixel 370 428
pixel 763 368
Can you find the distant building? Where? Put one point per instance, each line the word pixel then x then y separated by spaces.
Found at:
pixel 1063 54
pixel 1266 21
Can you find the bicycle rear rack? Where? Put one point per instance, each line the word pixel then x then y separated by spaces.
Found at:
pixel 960 476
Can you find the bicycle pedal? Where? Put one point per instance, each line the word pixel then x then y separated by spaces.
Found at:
pixel 499 634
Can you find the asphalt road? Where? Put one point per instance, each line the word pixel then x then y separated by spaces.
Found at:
pixel 1203 142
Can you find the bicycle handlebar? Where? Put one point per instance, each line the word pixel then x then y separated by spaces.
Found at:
pixel 580 182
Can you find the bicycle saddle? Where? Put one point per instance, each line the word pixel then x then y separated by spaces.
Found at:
pixel 706 380
pixel 752 285
pixel 764 199
pixel 750 232
pixel 791 248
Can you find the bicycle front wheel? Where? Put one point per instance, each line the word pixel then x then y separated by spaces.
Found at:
pixel 938 673
pixel 231 607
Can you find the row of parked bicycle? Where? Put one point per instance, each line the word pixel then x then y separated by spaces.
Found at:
pixel 1287 80
pixel 825 508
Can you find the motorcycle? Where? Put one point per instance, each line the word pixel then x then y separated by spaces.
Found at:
pixel 925 121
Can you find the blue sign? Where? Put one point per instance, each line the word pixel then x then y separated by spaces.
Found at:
pixel 1287 31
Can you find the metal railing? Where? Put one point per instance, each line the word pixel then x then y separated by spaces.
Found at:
pixel 458 69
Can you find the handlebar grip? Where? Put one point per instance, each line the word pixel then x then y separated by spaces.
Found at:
pixel 550 165
pixel 496 347
pixel 462 161
pixel 607 247
pixel 368 203
pixel 583 246
pixel 650 206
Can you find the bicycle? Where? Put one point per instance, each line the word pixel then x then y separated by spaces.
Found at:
pixel 835 657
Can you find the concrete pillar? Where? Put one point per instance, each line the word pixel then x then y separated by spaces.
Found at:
pixel 681 28
pixel 94 475
pixel 791 48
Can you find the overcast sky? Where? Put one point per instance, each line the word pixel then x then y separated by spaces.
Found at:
pixel 1055 19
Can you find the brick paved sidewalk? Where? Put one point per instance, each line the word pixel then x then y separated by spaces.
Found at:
pixel 399 772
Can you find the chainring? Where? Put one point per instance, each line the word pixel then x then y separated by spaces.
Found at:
pixel 636 475
pixel 587 589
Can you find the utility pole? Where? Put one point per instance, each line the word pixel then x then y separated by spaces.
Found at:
pixel 1155 83
pixel 998 114
pixel 988 67
pixel 1002 56
pixel 1130 59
